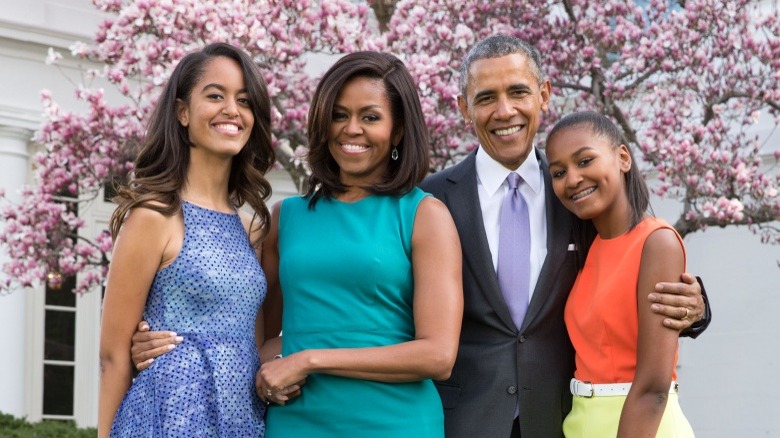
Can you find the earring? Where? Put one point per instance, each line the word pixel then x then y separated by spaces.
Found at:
pixel 394 154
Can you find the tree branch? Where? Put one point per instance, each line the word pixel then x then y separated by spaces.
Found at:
pixel 285 156
pixel 569 9
pixel 78 237
pixel 709 113
pixel 641 79
pixel 569 86
pixel 684 226
pixel 622 120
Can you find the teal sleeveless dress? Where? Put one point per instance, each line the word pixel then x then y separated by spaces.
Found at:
pixel 346 276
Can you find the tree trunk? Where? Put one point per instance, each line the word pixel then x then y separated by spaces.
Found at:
pixel 383 9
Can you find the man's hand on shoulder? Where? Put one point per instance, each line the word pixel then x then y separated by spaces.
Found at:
pixel 681 303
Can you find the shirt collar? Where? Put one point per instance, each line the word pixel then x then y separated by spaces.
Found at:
pixel 492 174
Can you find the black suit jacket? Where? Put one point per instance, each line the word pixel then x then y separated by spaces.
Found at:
pixel 498 366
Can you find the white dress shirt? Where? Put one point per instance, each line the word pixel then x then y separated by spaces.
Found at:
pixel 492 187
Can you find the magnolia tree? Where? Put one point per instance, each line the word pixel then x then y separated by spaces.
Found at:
pixel 138 48
pixel 686 81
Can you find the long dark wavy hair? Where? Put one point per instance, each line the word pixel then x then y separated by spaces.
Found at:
pixel 161 165
pixel 413 162
pixel 636 187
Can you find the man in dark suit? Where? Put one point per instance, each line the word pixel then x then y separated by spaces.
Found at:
pixel 512 378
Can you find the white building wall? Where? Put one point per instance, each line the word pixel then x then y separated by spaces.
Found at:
pixel 27 30
pixel 13 174
pixel 727 376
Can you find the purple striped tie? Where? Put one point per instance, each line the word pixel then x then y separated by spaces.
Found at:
pixel 514 250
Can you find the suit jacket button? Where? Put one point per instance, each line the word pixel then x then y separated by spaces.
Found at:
pixel 521 339
pixel 512 389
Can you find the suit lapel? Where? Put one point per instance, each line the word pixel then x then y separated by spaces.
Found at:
pixel 558 236
pixel 463 200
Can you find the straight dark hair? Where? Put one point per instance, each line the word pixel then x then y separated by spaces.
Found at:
pixel 161 165
pixel 636 187
pixel 413 161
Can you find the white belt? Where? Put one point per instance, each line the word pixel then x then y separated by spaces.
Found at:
pixel 587 389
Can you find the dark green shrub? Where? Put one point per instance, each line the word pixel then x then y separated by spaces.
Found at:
pixel 11 427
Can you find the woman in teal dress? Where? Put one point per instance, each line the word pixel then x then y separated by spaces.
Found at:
pixel 368 265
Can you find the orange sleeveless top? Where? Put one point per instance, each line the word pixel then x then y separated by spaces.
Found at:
pixel 601 312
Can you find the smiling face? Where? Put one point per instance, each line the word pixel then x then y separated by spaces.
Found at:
pixel 505 101
pixel 588 176
pixel 361 132
pixel 218 115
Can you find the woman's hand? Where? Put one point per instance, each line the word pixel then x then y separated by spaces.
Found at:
pixel 148 345
pixel 280 380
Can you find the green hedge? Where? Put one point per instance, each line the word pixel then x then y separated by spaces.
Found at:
pixel 11 427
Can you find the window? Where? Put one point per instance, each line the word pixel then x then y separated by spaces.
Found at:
pixel 59 349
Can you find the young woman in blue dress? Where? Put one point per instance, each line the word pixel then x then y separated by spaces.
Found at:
pixel 186 259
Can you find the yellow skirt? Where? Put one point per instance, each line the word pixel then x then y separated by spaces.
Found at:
pixel 599 417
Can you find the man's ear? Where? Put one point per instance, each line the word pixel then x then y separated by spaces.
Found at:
pixel 624 157
pixel 182 113
pixel 464 109
pixel 545 90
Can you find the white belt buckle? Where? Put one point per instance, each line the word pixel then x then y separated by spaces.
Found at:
pixel 592 390
pixel 576 385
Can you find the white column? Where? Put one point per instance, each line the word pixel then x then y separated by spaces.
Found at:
pixel 14 166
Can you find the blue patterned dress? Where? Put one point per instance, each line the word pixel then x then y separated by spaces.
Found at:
pixel 210 295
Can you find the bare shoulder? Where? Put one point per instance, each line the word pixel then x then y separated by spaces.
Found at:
pixel 433 221
pixel 276 211
pixel 663 258
pixel 245 217
pixel 153 233
pixel 246 221
pixel 148 219
pixel 662 241
pixel 433 209
pixel 276 208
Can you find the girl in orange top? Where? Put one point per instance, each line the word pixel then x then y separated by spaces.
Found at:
pixel 625 358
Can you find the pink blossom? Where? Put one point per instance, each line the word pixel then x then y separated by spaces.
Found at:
pixel 659 69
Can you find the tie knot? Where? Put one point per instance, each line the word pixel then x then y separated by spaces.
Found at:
pixel 513 180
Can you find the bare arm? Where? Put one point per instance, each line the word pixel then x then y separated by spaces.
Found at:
pixel 269 259
pixel 140 250
pixel 269 325
pixel 662 260
pixel 254 230
pixel 438 311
